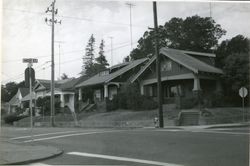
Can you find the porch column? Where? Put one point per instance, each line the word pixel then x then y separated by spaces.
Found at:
pixel 62 100
pixel 142 89
pixel 105 91
pixel 197 86
pixel 80 94
pixel 197 90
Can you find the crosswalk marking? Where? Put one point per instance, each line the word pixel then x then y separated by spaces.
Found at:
pixel 39 164
pixel 122 159
pixel 37 135
pixel 67 135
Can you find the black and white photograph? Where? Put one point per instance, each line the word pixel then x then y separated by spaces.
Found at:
pixel 135 83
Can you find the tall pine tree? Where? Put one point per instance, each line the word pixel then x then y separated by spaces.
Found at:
pixel 101 60
pixel 88 59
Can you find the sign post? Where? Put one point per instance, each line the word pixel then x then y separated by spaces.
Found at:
pixel 243 93
pixel 29 80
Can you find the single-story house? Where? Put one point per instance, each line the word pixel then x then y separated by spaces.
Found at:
pixel 64 90
pixel 106 83
pixel 16 101
pixel 183 73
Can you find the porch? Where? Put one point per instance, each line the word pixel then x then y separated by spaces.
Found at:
pixel 175 91
pixel 97 94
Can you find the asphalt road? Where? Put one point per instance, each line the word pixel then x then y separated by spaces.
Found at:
pixel 220 147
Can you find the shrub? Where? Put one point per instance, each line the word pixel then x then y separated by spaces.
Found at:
pixel 188 102
pixel 130 98
pixel 9 119
pixel 44 103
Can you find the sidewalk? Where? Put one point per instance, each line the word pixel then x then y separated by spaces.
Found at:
pixel 228 125
pixel 201 127
pixel 17 153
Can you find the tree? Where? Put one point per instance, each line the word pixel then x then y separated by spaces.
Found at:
pixel 8 91
pixel 233 57
pixel 64 76
pixel 101 62
pixel 89 57
pixel 236 70
pixel 237 44
pixel 193 33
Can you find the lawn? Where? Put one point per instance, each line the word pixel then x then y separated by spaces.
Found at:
pixel 128 118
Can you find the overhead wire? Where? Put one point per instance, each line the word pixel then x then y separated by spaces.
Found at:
pixel 65 62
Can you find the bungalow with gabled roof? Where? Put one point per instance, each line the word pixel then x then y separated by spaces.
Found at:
pixel 64 90
pixel 106 83
pixel 182 74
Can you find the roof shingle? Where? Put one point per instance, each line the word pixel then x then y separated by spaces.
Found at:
pixel 100 79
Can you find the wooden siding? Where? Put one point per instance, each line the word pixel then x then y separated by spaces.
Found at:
pixel 177 69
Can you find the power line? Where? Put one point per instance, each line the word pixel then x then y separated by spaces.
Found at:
pixel 77 18
pixel 64 53
pixel 65 62
pixel 22 74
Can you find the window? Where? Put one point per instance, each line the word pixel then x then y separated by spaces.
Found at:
pixel 172 91
pixel 166 66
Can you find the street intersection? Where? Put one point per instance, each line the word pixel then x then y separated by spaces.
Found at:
pixel 169 147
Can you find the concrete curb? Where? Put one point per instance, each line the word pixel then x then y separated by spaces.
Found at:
pixel 25 162
pixel 229 126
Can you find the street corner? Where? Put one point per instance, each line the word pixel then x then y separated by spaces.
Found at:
pixel 13 153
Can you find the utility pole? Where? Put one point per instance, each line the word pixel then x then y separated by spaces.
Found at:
pixel 130 5
pixel 158 67
pixel 111 40
pixel 51 9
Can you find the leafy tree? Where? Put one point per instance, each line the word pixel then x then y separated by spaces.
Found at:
pixel 89 57
pixel 8 91
pixel 233 57
pixel 193 33
pixel 64 76
pixel 237 44
pixel 236 70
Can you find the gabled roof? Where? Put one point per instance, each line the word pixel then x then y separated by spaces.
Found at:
pixel 182 57
pixel 46 83
pixel 14 100
pixel 24 91
pixel 198 53
pixel 100 79
pixel 69 85
pixel 143 69
pixel 27 97
pixel 189 62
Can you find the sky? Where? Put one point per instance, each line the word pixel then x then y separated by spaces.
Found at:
pixel 25 34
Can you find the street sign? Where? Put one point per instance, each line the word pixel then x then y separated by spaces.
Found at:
pixel 243 92
pixel 29 74
pixel 30 60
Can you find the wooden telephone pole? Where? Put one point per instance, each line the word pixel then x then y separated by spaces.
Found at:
pixel 158 67
pixel 51 9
